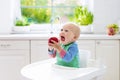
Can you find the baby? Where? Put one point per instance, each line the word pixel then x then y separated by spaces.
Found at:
pixel 66 49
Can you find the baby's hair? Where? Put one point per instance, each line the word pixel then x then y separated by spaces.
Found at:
pixel 76 30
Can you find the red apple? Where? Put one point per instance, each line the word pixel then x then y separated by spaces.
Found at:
pixel 111 31
pixel 52 38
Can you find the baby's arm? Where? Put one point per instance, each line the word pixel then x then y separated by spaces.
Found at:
pixel 68 56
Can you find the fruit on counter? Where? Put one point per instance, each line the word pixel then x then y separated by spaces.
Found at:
pixel 52 38
pixel 112 29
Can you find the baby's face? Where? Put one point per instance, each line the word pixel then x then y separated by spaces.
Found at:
pixel 66 35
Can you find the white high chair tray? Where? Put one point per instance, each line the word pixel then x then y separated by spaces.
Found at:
pixel 48 70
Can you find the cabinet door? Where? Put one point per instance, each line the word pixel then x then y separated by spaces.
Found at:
pixel 39 50
pixel 87 45
pixel 11 62
pixel 13 56
pixel 108 52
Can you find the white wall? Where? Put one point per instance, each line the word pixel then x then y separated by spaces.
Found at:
pixel 5 16
pixel 106 12
pixel 9 9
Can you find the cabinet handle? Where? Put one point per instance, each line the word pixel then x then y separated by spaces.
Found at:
pixel 5 45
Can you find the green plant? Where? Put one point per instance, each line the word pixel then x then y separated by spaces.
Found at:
pixel 22 22
pixel 38 15
pixel 83 16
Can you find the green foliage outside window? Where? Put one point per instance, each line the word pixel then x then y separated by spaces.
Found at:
pixel 36 15
pixel 39 15
pixel 38 11
pixel 34 2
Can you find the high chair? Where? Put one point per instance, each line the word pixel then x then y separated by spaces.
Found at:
pixel 48 70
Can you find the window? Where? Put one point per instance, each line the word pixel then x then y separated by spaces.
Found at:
pixel 48 15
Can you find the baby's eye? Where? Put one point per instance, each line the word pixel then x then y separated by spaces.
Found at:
pixel 61 29
pixel 66 30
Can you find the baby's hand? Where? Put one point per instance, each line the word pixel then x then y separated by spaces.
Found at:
pixel 56 45
pixel 50 48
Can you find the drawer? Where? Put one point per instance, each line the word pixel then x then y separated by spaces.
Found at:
pixel 107 42
pixel 14 44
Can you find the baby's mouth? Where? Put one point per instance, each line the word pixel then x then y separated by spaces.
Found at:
pixel 62 38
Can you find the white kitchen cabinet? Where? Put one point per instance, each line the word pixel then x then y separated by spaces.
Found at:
pixel 13 56
pixel 107 51
pixel 87 45
pixel 39 50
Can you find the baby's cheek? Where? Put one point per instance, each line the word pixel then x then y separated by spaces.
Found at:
pixel 63 42
pixel 67 40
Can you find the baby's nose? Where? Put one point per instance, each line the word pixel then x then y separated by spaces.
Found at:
pixel 62 32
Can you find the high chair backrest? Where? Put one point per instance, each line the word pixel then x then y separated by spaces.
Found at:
pixel 84 57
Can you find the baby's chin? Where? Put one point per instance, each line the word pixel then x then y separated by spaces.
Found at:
pixel 65 43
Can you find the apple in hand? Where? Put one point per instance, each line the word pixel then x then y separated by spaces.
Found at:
pixel 52 38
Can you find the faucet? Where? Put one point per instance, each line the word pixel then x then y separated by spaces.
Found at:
pixel 55 20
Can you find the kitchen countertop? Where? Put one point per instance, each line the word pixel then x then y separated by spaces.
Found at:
pixel 46 36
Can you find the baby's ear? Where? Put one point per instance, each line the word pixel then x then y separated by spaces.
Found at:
pixel 75 37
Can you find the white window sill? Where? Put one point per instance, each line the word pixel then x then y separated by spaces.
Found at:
pixel 37 29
